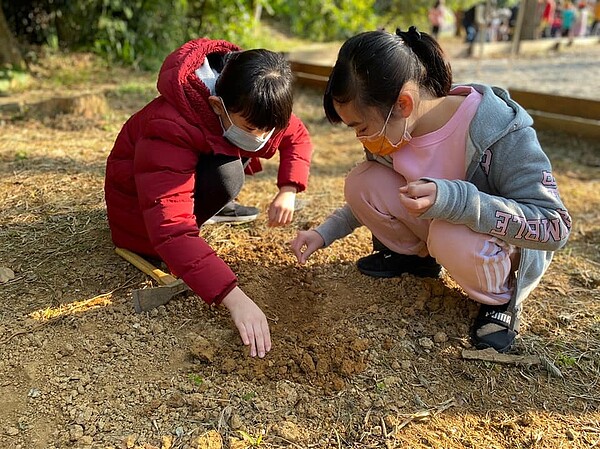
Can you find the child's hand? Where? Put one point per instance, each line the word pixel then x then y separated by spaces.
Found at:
pixel 418 196
pixel 281 209
pixel 250 321
pixel 306 243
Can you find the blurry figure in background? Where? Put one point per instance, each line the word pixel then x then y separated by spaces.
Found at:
pixel 504 31
pixel 547 19
pixel 580 28
pixel 468 22
pixel 556 27
pixel 436 18
pixel 568 14
pixel 476 20
pixel 512 21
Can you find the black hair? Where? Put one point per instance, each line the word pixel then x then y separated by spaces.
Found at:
pixel 372 68
pixel 258 85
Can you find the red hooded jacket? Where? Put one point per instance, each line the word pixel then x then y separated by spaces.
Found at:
pixel 150 172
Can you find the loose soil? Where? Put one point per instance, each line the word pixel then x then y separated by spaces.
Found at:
pixel 356 362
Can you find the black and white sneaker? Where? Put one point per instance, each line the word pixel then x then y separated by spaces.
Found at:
pixel 234 213
pixel 496 327
pixel 388 264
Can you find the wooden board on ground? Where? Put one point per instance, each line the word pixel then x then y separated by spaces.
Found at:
pixel 577 116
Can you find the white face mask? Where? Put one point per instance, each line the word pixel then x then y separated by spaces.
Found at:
pixel 244 139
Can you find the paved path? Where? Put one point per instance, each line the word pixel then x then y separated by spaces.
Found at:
pixel 573 71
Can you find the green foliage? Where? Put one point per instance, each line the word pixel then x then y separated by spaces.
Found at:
pixel 325 21
pixel 196 379
pixel 13 80
pixel 251 440
pixel 140 33
pixel 565 360
pixel 249 396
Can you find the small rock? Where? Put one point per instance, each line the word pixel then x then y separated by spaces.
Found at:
pixel 210 440
pixel 288 431
pixel 235 422
pixel 129 441
pixel 6 274
pixel 34 393
pixel 12 431
pixel 440 337
pixel 86 440
pixel 426 343
pixel 202 349
pixel 75 432
pixel 571 434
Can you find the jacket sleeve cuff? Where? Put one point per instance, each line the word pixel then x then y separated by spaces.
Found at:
pixel 217 301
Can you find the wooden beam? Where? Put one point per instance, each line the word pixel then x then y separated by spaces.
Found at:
pixel 313 69
pixel 557 104
pixel 567 124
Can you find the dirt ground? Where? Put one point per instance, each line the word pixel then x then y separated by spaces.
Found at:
pixel 356 362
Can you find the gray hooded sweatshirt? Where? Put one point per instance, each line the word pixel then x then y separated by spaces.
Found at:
pixel 509 191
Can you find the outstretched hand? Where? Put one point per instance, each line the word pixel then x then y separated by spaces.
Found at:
pixel 250 321
pixel 418 196
pixel 281 209
pixel 306 243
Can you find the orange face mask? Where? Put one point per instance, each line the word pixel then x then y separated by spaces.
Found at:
pixel 380 145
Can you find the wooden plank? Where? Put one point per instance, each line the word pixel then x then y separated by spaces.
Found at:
pixel 570 125
pixel 313 69
pixel 310 80
pixel 557 104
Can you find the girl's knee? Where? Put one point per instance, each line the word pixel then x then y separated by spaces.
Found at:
pixel 367 179
pixel 441 239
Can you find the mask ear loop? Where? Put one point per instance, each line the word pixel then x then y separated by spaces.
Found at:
pixel 225 109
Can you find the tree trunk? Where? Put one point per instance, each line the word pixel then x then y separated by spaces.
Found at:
pixel 9 52
pixel 531 19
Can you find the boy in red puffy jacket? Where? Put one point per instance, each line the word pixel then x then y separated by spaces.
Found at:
pixel 182 157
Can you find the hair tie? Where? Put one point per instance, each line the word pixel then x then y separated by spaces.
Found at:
pixel 411 35
pixel 414 33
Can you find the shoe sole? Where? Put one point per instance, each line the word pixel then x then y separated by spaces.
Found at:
pixel 481 346
pixel 426 273
pixel 218 219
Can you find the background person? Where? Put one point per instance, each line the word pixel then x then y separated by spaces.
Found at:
pixel 436 18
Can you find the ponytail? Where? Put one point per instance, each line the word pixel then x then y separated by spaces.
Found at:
pixel 439 73
pixel 373 67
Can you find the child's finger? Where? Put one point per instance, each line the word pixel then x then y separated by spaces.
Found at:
pixel 260 343
pixel 243 334
pixel 266 334
pixel 252 338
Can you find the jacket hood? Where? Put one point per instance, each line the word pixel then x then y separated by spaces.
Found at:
pixel 499 113
pixel 181 87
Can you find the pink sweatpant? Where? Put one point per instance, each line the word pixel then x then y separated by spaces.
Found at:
pixel 481 264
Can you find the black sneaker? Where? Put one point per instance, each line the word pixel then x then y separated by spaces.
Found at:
pixel 234 213
pixel 388 264
pixel 495 327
